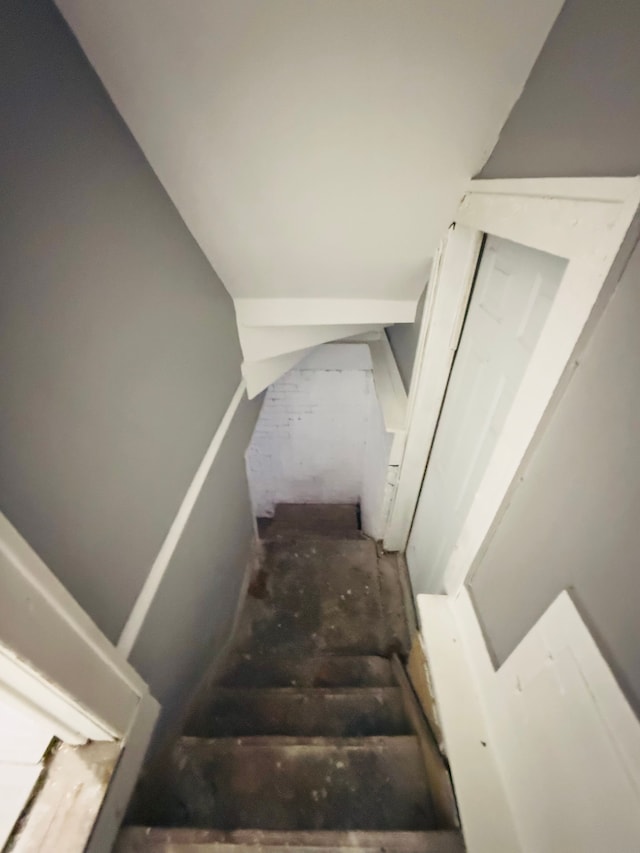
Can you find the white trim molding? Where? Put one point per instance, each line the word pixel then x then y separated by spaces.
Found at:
pixel 118 793
pixel 592 222
pixel 42 629
pixel 84 791
pixel 448 291
pixel 307 311
pixel 260 342
pixel 157 572
pixel 389 388
pixel 485 813
pixel 544 751
pixel 57 665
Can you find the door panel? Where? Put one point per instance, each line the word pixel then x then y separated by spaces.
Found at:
pixel 514 289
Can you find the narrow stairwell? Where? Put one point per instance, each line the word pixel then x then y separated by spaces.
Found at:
pixel 303 743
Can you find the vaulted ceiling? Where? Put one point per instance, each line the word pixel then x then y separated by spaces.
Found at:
pixel 316 149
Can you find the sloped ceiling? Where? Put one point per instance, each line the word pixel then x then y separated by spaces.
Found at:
pixel 315 148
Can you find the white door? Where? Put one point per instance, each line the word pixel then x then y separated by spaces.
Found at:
pixel 512 295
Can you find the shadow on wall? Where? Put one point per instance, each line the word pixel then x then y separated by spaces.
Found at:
pixel 403 339
pixel 193 612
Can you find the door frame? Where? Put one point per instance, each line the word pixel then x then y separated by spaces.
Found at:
pixel 594 224
pixel 57 664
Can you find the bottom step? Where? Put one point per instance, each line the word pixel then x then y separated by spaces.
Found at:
pixel 140 839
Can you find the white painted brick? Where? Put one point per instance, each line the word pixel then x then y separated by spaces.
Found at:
pixel 320 438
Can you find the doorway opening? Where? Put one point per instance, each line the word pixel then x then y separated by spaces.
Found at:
pixel 321 438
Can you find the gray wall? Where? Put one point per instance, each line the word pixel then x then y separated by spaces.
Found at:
pixel 195 605
pixel 119 356
pixel 403 339
pixel 579 114
pixel 574 521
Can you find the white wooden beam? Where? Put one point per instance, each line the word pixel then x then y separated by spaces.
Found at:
pixel 260 342
pixel 563 735
pixel 42 629
pixel 443 315
pixel 324 312
pixel 389 386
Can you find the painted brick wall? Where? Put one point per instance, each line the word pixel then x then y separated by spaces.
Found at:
pixel 320 436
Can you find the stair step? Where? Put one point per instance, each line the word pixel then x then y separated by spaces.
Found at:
pixel 319 519
pixel 325 671
pixel 338 712
pixel 293 783
pixel 140 839
pixel 319 596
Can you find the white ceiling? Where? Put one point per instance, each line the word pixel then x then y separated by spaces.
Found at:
pixel 314 147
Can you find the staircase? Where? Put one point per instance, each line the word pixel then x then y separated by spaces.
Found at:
pixel 303 742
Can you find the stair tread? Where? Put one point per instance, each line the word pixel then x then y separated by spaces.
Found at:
pixel 297 783
pixel 320 596
pixel 342 711
pixel 303 742
pixel 319 519
pixel 159 840
pixel 313 671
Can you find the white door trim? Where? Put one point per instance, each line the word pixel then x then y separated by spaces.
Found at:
pixel 503 730
pixel 586 220
pixel 132 753
pixel 56 662
pixel 448 292
pixel 52 656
